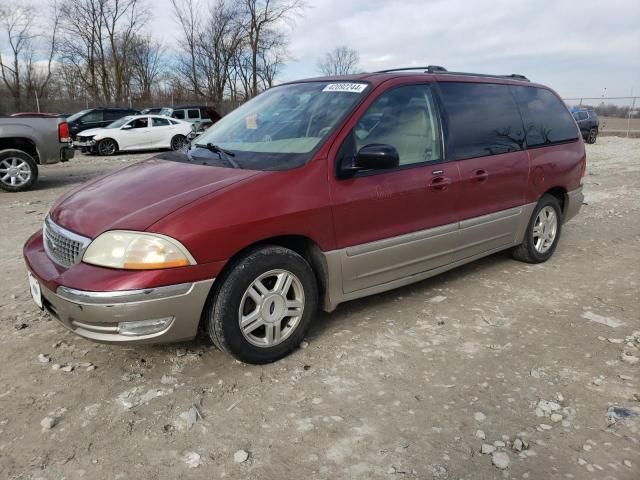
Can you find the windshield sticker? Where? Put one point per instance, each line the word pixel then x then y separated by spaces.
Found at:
pixel 345 87
pixel 251 121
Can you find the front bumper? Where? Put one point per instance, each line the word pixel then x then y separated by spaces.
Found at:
pixel 100 316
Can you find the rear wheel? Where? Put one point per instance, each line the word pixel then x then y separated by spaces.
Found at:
pixel 543 232
pixel 263 307
pixel 18 170
pixel 178 142
pixel 107 147
pixel 592 135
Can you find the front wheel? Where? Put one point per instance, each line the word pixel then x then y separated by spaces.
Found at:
pixel 263 307
pixel 543 232
pixel 18 170
pixel 592 136
pixel 107 147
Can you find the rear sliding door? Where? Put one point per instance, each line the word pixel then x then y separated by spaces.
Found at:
pixel 486 138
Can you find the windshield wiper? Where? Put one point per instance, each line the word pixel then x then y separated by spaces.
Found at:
pixel 222 153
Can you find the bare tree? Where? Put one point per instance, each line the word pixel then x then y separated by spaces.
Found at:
pixel 22 73
pixel 146 64
pixel 186 13
pixel 272 55
pixel 340 61
pixel 99 39
pixel 222 36
pixel 262 16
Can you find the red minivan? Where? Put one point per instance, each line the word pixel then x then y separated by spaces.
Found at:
pixel 314 193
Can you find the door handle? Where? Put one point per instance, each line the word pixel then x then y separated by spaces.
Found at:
pixel 439 184
pixel 480 176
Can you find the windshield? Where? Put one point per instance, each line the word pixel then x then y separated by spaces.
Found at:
pixel 166 112
pixel 118 123
pixel 280 128
pixel 76 116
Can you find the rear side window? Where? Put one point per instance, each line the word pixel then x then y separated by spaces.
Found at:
pixel 159 122
pixel 114 114
pixel 580 115
pixel 483 119
pixel 95 116
pixel 194 113
pixel 546 118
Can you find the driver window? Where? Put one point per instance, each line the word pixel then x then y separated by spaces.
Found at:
pixel 407 119
pixel 140 123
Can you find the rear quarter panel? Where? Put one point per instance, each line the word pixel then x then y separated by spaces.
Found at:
pixel 555 166
pixel 42 132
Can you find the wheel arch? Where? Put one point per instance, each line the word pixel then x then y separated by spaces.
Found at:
pixel 304 246
pixel 560 193
pixel 23 144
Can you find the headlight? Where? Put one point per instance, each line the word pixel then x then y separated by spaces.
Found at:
pixel 136 251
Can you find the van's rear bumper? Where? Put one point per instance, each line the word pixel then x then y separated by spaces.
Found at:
pixel 113 317
pixel 572 204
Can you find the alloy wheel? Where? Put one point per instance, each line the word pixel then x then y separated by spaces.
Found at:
pixel 14 172
pixel 545 229
pixel 271 308
pixel 107 147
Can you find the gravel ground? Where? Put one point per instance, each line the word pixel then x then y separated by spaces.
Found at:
pixel 497 369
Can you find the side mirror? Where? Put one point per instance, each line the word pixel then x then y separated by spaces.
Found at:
pixel 126 127
pixel 376 157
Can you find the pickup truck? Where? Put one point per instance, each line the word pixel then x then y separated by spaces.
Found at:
pixel 26 143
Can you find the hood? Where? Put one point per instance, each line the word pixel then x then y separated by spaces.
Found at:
pixel 91 132
pixel 137 196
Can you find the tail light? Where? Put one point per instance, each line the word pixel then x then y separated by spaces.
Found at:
pixel 63 132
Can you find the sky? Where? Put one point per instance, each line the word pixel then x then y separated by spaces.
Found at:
pixel 577 47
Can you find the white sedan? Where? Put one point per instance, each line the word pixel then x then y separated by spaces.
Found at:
pixel 135 132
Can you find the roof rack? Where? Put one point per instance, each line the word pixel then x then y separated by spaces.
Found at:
pixel 427 69
pixel 438 69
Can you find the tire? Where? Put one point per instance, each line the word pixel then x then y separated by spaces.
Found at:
pixel 592 136
pixel 178 142
pixel 107 147
pixel 534 248
pixel 18 170
pixel 231 301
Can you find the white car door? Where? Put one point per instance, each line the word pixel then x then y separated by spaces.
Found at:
pixel 135 134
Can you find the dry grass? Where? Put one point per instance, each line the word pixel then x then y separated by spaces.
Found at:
pixel 613 124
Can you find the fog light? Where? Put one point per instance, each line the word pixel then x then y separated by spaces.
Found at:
pixel 145 327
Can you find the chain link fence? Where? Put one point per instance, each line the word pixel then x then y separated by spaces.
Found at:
pixel 619 116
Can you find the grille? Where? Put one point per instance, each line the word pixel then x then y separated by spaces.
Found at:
pixel 63 247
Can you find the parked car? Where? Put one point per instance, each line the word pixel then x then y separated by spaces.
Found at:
pixel 192 113
pixel 95 118
pixel 26 143
pixel 136 132
pixel 588 122
pixel 198 128
pixel 35 115
pixel 151 111
pixel 369 183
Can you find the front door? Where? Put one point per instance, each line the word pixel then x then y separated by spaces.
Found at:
pixel 391 224
pixel 136 135
pixel 486 139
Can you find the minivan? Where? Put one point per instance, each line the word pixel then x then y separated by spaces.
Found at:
pixel 95 118
pixel 314 193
